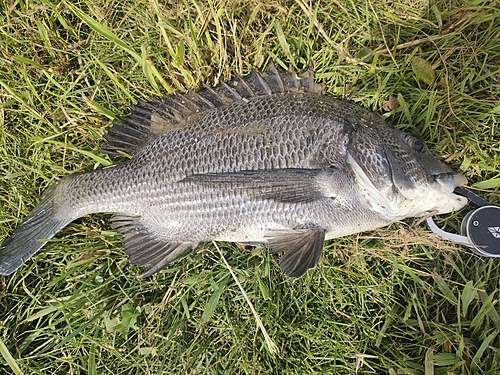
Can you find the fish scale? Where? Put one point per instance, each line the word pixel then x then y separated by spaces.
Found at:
pixel 263 159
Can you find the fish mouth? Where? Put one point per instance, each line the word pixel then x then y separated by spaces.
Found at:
pixel 449 181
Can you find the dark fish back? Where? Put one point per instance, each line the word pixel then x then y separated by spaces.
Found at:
pixel 258 122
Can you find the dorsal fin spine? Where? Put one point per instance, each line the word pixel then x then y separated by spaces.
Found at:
pixel 213 96
pixel 206 103
pixel 264 87
pixel 190 104
pixel 228 89
pixel 273 79
pixel 242 87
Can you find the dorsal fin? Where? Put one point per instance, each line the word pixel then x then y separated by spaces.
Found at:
pixel 148 119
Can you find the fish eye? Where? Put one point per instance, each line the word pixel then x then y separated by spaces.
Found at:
pixel 415 143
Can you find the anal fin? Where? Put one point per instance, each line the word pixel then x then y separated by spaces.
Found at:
pixel 145 247
pixel 302 247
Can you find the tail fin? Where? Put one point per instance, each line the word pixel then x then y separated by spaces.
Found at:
pixel 26 240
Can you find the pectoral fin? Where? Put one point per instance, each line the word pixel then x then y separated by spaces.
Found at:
pixel 282 185
pixel 302 249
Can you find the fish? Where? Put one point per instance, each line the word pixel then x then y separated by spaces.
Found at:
pixel 264 159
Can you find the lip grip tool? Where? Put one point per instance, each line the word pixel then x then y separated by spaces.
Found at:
pixel 480 229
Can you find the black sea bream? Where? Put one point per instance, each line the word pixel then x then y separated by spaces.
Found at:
pixel 264 159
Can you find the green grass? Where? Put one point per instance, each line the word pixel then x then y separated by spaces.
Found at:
pixel 396 301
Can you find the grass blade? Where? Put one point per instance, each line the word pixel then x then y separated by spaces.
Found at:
pixel 11 362
pixel 469 294
pixel 271 346
pixel 210 307
pixel 150 71
pixel 481 350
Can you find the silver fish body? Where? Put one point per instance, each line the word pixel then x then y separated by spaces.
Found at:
pixel 265 159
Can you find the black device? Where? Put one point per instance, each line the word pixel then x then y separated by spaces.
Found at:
pixel 480 229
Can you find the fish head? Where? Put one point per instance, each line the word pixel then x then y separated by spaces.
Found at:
pixel 398 175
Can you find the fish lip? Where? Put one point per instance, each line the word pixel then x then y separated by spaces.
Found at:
pixel 449 181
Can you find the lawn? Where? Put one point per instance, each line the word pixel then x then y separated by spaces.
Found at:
pixel 395 301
